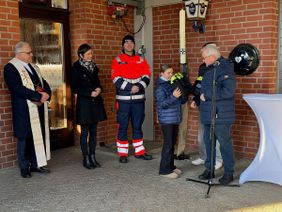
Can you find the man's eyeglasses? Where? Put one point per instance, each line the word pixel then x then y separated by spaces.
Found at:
pixel 26 52
pixel 205 57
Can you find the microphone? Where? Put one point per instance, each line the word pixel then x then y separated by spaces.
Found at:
pixel 216 64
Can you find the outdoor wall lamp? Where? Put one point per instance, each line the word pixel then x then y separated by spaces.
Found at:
pixel 196 11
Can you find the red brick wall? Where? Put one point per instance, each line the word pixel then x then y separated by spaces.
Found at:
pixel 90 23
pixel 9 35
pixel 228 23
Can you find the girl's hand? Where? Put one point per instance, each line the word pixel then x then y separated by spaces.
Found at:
pixel 177 93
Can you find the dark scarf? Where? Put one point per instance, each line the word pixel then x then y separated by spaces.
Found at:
pixel 89 65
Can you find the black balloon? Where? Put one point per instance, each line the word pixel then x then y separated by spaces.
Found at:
pixel 246 58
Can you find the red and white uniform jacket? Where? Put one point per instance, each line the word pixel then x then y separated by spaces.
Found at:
pixel 128 71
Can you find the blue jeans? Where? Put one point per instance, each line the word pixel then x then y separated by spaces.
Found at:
pixel 201 143
pixel 222 134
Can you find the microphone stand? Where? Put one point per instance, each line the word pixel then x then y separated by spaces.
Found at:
pixel 212 139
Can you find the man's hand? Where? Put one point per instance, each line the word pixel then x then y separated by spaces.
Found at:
pixel 202 97
pixel 134 89
pixel 44 97
pixel 193 105
pixel 177 93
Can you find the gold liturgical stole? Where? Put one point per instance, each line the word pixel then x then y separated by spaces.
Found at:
pixel 41 155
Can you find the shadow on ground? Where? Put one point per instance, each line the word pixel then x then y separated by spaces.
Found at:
pixel 134 187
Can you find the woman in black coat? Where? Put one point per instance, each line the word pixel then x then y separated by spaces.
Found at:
pixel 89 105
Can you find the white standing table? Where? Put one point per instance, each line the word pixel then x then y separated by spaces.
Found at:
pixel 267 165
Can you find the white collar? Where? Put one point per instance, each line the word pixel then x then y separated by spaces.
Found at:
pixel 26 66
pixel 23 63
pixel 163 78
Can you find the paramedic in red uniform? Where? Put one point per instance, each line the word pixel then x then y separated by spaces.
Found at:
pixel 131 75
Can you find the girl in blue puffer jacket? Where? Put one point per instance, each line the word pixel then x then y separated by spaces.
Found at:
pixel 168 102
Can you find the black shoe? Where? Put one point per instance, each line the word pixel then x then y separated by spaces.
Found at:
pixel 96 164
pixel 123 159
pixel 182 157
pixel 25 173
pixel 93 162
pixel 145 156
pixel 226 179
pixel 102 144
pixel 41 170
pixel 86 162
pixel 206 175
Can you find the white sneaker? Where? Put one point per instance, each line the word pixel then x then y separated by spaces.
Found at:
pixel 172 175
pixel 198 162
pixel 177 171
pixel 218 165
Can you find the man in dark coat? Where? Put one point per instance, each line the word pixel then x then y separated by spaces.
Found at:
pixel 217 106
pixel 196 104
pixel 29 94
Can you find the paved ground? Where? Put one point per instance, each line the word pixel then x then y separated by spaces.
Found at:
pixel 132 187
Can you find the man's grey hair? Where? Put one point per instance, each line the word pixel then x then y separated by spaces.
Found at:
pixel 210 43
pixel 211 49
pixel 19 46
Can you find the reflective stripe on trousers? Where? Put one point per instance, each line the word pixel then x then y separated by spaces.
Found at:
pixel 122 147
pixel 138 146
